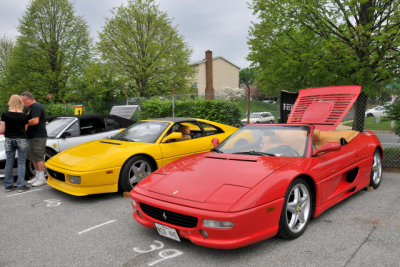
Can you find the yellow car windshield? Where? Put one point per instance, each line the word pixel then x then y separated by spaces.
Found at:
pixel 143 131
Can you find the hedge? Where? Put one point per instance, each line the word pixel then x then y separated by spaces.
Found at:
pixel 223 111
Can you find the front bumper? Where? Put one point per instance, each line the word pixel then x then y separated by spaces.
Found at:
pixel 92 182
pixel 250 226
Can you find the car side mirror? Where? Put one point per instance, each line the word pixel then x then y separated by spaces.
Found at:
pixel 215 141
pixel 120 130
pixel 65 134
pixel 327 147
pixel 171 136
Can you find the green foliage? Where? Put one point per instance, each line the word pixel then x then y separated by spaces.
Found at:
pixel 52 48
pixel 247 76
pixel 393 112
pixel 258 106
pixel 59 109
pixel 145 50
pixel 222 111
pixel 300 44
pixel 6 46
pixel 371 125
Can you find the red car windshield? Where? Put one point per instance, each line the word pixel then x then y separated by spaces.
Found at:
pixel 268 140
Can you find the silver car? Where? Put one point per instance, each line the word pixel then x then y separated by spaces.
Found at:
pixel 69 131
pixel 260 117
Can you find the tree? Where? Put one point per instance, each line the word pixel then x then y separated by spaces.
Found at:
pixel 141 45
pixel 53 47
pixel 247 78
pixel 6 46
pixel 315 43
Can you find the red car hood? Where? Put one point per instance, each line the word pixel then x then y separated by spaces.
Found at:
pixel 218 179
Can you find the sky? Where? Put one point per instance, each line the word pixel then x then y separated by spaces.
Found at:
pixel 218 25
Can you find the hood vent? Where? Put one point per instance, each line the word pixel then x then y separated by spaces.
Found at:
pixel 248 160
pixel 111 143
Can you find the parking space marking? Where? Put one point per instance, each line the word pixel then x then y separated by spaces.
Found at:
pixel 18 194
pixel 94 227
pixel 49 203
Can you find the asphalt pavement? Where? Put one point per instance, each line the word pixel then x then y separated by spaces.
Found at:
pixel 45 227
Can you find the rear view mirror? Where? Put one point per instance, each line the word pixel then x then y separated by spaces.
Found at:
pixel 65 134
pixel 327 147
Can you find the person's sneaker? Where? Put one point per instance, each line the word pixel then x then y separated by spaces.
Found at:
pixel 39 182
pixel 33 180
pixel 10 188
pixel 22 190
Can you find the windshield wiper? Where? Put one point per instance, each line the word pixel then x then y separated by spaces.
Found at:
pixel 216 150
pixel 256 153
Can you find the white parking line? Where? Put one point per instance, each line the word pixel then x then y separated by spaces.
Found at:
pixel 87 230
pixel 18 194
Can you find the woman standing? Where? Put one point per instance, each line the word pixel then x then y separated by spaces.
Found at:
pixel 14 123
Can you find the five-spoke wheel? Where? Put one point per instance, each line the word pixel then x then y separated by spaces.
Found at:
pixel 376 170
pixel 296 211
pixel 133 171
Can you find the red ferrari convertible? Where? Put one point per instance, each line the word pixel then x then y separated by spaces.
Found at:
pixel 264 180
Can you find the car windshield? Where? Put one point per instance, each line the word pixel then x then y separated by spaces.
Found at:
pixel 255 115
pixel 143 131
pixel 55 126
pixel 268 140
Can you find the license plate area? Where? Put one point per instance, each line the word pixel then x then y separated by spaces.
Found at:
pixel 166 231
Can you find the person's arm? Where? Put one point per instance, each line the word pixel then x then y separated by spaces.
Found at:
pixel 33 121
pixel 2 127
pixel 26 127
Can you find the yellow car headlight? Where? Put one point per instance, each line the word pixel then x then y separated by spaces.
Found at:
pixel 74 179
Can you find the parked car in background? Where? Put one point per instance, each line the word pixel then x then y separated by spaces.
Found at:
pixel 120 162
pixel 67 131
pixel 379 111
pixel 259 117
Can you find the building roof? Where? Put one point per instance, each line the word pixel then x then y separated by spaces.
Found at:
pixel 214 58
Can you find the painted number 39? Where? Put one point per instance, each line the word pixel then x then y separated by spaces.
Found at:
pixel 164 254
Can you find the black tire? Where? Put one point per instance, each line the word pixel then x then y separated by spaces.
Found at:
pixel 296 213
pixel 133 171
pixel 376 170
pixel 30 170
pixel 370 115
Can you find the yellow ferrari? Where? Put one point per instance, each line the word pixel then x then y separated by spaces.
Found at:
pixel 122 161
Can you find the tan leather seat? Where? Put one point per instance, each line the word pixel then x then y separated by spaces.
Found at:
pixel 322 137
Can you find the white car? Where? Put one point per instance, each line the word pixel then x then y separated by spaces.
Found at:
pixel 379 111
pixel 260 117
pixel 69 131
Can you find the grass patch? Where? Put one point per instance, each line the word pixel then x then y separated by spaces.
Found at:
pixel 370 124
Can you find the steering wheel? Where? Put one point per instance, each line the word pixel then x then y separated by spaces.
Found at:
pixel 283 149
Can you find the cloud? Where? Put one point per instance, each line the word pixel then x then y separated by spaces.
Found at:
pixel 218 25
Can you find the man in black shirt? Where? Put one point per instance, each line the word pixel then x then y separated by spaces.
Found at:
pixel 37 136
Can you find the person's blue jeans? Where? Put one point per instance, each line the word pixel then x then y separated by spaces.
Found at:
pixel 21 146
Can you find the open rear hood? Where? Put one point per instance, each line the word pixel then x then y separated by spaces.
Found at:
pixel 324 107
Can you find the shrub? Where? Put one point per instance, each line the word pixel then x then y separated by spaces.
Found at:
pixel 222 111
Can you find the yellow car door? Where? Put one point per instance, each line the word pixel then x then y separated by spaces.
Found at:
pixel 199 142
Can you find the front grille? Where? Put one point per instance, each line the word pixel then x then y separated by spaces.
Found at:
pixel 169 216
pixel 56 175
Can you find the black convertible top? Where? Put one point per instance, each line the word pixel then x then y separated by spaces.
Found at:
pixel 124 122
pixel 175 120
